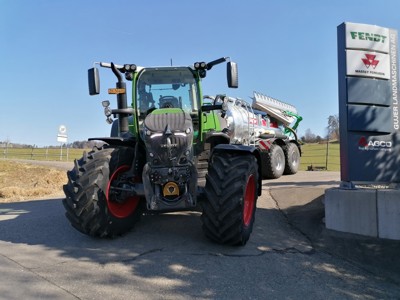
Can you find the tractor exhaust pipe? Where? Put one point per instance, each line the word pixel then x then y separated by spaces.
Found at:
pixel 122 102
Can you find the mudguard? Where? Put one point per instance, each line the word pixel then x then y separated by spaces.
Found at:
pixel 116 141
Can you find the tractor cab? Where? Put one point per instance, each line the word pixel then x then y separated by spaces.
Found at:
pixel 167 88
pixel 174 89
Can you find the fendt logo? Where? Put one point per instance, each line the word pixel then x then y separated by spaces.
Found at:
pixel 370 61
pixel 374 145
pixel 366 36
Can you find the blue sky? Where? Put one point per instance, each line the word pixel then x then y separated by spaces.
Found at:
pixel 285 49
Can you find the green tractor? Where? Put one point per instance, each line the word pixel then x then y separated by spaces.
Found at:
pixel 166 152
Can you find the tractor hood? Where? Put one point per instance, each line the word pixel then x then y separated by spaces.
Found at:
pixel 168 135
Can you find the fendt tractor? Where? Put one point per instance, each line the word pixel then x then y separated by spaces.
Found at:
pixel 170 151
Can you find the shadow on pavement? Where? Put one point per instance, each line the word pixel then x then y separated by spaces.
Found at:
pixel 170 252
pixel 378 256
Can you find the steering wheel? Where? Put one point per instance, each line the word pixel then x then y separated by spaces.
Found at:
pixel 167 105
pixel 168 102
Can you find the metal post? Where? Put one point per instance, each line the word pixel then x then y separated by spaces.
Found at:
pixel 327 148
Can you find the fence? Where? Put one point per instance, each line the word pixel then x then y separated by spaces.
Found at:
pixel 35 153
pixel 322 156
pixel 315 156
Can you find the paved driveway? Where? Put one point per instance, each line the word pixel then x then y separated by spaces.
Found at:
pixel 168 257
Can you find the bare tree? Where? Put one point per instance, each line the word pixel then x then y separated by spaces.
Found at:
pixel 333 127
pixel 309 137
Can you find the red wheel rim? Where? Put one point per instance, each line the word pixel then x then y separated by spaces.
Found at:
pixel 121 210
pixel 249 200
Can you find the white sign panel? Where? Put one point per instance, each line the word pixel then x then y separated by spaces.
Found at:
pixel 367 64
pixel 367 37
pixel 62 138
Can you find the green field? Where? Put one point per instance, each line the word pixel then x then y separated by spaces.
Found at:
pixel 319 155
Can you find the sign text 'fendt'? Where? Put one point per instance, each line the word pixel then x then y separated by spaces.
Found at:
pixel 366 36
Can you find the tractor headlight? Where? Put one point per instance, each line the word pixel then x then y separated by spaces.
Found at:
pixel 130 67
pixel 200 65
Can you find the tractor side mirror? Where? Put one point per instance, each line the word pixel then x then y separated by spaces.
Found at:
pixel 94 81
pixel 232 74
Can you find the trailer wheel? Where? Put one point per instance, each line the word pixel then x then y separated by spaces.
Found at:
pixel 231 196
pixel 91 206
pixel 275 163
pixel 292 159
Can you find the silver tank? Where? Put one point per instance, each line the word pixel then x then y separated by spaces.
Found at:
pixel 240 122
pixel 244 127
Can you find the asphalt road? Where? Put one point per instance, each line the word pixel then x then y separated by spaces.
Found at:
pixel 168 257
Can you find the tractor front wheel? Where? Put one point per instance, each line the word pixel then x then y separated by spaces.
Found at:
pixel 93 203
pixel 231 196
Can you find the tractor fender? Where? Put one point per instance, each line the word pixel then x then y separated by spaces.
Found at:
pixel 243 149
pixel 128 141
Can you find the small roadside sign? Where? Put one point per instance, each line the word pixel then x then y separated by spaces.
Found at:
pixel 62 136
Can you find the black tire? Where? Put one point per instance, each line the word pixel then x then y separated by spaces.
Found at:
pixel 89 206
pixel 275 163
pixel 231 196
pixel 292 159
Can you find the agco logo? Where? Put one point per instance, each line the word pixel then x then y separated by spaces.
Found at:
pixel 374 145
pixel 370 61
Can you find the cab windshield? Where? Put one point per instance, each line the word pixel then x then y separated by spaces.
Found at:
pixel 166 88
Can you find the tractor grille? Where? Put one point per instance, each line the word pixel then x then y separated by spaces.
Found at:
pixel 168 136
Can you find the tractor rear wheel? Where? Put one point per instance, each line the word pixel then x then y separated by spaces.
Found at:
pixel 292 159
pixel 275 163
pixel 231 196
pixel 92 207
